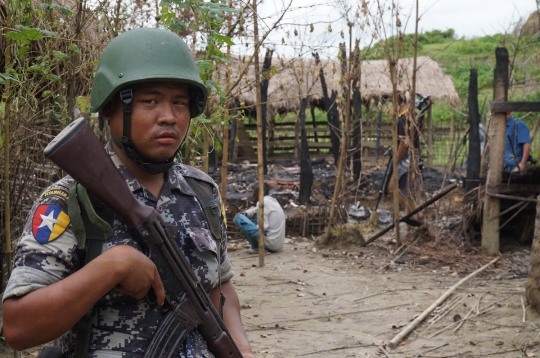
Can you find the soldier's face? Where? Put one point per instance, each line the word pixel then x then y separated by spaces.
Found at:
pixel 159 120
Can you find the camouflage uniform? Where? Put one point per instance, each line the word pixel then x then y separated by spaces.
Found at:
pixel 121 325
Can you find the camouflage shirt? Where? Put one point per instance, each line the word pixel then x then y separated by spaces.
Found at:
pixel 121 325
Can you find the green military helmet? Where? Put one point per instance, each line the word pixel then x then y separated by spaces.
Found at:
pixel 142 55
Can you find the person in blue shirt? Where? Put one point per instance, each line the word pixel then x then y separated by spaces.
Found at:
pixel 518 144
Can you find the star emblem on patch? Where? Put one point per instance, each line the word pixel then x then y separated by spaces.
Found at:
pixel 48 223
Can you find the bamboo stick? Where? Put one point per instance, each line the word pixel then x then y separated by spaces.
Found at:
pixel 409 215
pixel 260 154
pixel 399 337
pixel 512 197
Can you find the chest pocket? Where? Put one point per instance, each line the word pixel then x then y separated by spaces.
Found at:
pixel 202 239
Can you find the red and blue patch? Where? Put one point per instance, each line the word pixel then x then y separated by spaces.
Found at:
pixel 49 222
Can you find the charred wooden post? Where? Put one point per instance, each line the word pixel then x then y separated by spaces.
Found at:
pixel 490 229
pixel 234 130
pixel 260 138
pixel 306 172
pixel 330 105
pixel 378 138
pixel 267 64
pixel 357 121
pixel 473 161
pixel 314 120
pixel 429 125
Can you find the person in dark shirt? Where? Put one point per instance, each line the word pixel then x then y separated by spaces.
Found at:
pixel 408 155
pixel 518 144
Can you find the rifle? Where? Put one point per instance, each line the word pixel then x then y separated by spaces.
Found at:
pixel 77 151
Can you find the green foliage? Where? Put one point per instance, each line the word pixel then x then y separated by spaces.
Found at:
pixel 64 10
pixel 204 18
pixel 379 52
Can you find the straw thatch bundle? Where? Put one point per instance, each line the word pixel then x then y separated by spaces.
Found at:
pixel 297 78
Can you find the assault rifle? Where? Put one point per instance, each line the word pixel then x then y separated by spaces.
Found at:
pixel 78 151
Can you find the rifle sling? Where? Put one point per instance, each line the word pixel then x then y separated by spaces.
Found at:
pixel 204 194
pixel 91 232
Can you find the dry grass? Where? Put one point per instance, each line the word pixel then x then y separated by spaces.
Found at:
pixel 341 236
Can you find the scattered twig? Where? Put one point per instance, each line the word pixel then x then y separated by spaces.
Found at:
pixel 431 349
pixel 405 250
pixel 461 320
pixel 334 315
pixel 478 305
pixel 511 217
pixel 523 307
pixel 373 295
pixel 399 337
pixel 521 203
pixel 447 310
pixel 333 349
pixel 442 309
pixel 385 352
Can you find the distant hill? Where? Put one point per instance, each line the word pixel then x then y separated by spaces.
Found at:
pixel 458 55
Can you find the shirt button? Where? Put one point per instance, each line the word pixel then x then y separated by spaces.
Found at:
pixel 160 209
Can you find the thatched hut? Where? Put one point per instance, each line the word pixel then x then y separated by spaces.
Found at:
pixel 294 79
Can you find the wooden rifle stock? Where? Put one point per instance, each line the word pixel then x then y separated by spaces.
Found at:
pixel 79 153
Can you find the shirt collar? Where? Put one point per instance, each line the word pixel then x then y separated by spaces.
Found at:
pixel 174 176
pixel 510 122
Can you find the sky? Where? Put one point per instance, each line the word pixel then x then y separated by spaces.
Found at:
pixel 473 18
pixel 469 18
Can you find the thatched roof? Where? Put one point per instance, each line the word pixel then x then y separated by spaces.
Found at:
pixel 295 78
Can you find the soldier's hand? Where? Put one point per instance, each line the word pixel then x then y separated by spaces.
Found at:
pixel 137 273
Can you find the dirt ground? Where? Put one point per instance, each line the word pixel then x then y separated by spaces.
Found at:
pixel 351 302
pixel 335 303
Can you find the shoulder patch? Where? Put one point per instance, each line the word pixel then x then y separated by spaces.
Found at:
pixel 48 223
pixel 54 192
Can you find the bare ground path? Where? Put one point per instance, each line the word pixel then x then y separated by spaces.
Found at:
pixel 322 303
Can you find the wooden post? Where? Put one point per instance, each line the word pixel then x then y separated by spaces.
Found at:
pixel 233 149
pixel 260 139
pixel 378 138
pixel 429 139
pixel 490 228
pixel 225 151
pixel 473 161
pixel 306 171
pixel 267 64
pixel 394 178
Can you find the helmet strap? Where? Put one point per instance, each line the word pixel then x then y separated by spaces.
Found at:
pixel 126 96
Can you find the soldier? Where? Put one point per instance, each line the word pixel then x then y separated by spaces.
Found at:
pixel 147 88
